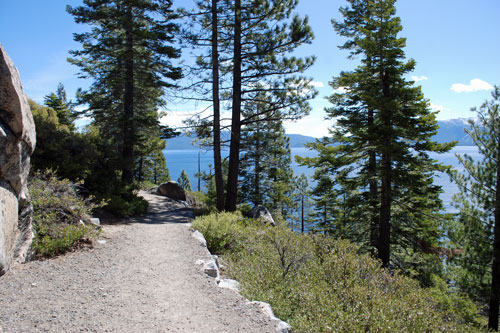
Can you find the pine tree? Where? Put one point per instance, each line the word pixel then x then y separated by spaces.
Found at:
pixel 265 169
pixel 128 55
pixel 302 198
pixel 64 108
pixel 183 181
pixel 263 34
pixel 476 235
pixel 382 172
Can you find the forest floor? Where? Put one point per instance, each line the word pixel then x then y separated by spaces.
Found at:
pixel 140 276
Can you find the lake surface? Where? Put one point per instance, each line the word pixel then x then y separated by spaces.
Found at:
pixel 178 160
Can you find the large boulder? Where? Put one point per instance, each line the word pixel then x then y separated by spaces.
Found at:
pixel 172 190
pixel 17 142
pixel 262 213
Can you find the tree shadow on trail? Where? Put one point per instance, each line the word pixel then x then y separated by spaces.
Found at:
pixel 161 210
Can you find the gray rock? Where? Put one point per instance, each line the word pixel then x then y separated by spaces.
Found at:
pixel 172 190
pixel 229 284
pixel 17 142
pixel 261 212
pixel 210 268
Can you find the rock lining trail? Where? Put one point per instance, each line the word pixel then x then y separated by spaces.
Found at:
pixel 141 276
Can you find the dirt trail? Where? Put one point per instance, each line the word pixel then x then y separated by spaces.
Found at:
pixel 143 278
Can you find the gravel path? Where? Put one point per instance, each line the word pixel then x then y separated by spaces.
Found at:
pixel 143 278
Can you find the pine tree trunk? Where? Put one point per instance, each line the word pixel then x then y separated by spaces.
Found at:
pixel 257 170
pixel 495 268
pixel 128 104
pixel 384 239
pixel 234 149
pixel 302 214
pixel 372 175
pixel 219 182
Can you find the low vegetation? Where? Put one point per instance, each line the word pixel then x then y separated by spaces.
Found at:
pixel 58 214
pixel 319 284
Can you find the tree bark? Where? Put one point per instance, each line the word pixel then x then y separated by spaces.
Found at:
pixel 128 104
pixel 219 182
pixel 373 185
pixel 234 149
pixel 495 267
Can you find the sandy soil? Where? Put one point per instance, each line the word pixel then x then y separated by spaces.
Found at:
pixel 141 276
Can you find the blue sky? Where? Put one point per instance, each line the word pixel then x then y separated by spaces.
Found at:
pixel 454 42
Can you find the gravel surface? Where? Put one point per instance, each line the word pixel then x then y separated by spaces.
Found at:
pixel 141 276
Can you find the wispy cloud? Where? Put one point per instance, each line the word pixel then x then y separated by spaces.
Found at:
pixel 437 107
pixel 474 85
pixel 419 78
pixel 317 84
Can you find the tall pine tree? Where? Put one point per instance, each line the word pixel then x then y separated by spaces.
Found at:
pixel 128 54
pixel 381 167
pixel 476 235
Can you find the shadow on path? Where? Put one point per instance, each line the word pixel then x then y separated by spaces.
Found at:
pixel 161 210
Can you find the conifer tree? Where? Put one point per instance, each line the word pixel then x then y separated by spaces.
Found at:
pixel 265 170
pixel 264 33
pixel 184 181
pixel 128 54
pixel 476 235
pixel 381 166
pixel 64 108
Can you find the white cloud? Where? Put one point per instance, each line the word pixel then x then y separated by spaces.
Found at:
pixel 340 90
pixel 436 107
pixel 475 85
pixel 316 84
pixel 419 78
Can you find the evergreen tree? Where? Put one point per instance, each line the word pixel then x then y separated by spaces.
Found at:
pixel 266 173
pixel 476 235
pixel 381 167
pixel 302 198
pixel 128 55
pixel 64 108
pixel 203 30
pixel 263 34
pixel 183 181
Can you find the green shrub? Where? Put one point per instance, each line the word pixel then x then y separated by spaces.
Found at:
pixel 318 284
pixel 124 201
pixel 57 215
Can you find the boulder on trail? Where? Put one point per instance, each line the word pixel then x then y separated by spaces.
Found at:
pixel 262 213
pixel 172 190
pixel 17 142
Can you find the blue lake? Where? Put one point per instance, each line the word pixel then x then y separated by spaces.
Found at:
pixel 178 160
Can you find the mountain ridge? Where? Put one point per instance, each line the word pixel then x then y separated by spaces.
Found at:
pixel 449 130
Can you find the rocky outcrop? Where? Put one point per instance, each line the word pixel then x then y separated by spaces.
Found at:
pixel 172 190
pixel 17 142
pixel 262 213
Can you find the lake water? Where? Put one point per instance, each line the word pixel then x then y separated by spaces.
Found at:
pixel 178 160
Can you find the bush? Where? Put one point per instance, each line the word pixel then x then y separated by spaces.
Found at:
pixel 318 284
pixel 57 215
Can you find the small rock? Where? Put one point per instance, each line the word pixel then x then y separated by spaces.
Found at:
pixel 262 213
pixel 210 268
pixel 199 236
pixel 229 284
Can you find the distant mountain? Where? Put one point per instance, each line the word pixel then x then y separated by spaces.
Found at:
pixel 449 130
pixel 183 142
pixel 453 130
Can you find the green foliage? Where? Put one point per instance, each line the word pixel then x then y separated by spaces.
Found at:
pixel 127 53
pixel 318 284
pixel 265 165
pixel 183 181
pixel 58 148
pixel 377 156
pixel 472 236
pixel 57 215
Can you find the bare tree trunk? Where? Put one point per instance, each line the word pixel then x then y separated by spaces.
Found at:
pixel 234 149
pixel 128 105
pixel 495 267
pixel 219 182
